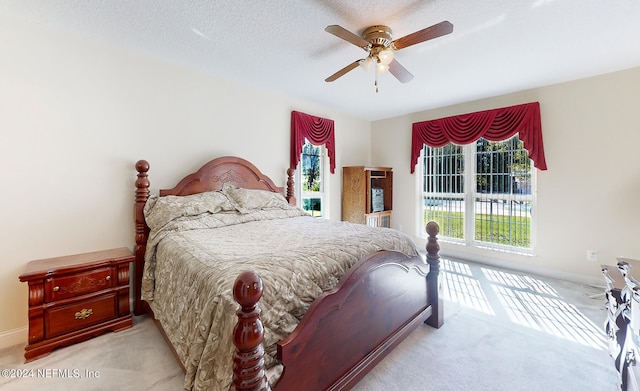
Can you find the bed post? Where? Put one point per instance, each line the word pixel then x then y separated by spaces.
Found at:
pixel 290 187
pixel 248 360
pixel 433 259
pixel 142 231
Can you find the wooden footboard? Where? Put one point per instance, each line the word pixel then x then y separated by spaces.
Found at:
pixel 346 331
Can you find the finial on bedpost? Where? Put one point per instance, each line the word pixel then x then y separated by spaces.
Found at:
pixel 433 259
pixel 248 360
pixel 433 248
pixel 141 230
pixel 290 187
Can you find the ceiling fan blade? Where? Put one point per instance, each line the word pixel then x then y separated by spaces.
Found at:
pixel 401 73
pixel 435 31
pixel 347 35
pixel 343 71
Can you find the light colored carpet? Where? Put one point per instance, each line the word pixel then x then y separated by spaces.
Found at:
pixel 503 331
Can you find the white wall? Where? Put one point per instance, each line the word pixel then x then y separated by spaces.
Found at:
pixel 588 197
pixel 76 114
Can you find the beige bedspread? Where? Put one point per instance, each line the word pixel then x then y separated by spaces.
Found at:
pixel 193 259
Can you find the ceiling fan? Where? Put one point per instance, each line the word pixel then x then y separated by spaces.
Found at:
pixel 377 41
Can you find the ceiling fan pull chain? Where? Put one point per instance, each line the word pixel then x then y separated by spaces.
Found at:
pixel 376 80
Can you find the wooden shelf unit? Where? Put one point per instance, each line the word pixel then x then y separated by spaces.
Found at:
pixel 357 185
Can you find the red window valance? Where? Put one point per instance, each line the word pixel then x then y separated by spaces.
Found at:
pixel 493 125
pixel 317 130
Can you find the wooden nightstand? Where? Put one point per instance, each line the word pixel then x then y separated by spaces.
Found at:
pixel 76 297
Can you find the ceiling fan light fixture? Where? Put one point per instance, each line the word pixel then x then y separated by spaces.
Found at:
pixel 365 63
pixel 386 56
pixel 381 68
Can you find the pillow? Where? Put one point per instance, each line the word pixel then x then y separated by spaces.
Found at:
pixel 158 211
pixel 250 199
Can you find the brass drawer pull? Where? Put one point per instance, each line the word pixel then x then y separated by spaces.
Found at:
pixel 84 313
pixel 56 288
pixel 107 278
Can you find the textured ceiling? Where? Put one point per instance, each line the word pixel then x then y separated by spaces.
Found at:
pixel 497 46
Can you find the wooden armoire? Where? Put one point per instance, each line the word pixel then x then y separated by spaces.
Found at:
pixel 367 194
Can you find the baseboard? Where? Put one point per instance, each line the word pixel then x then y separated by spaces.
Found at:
pixel 14 337
pixel 525 268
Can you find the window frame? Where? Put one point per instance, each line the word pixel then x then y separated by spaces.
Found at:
pixel 469 195
pixel 324 183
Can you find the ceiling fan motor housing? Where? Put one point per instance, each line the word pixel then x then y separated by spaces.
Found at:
pixel 378 36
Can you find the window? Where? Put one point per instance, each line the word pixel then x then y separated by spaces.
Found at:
pixel 480 194
pixel 311 179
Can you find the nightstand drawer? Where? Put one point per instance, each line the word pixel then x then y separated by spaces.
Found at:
pixel 78 284
pixel 71 317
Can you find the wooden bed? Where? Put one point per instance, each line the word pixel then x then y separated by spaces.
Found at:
pixel 346 331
